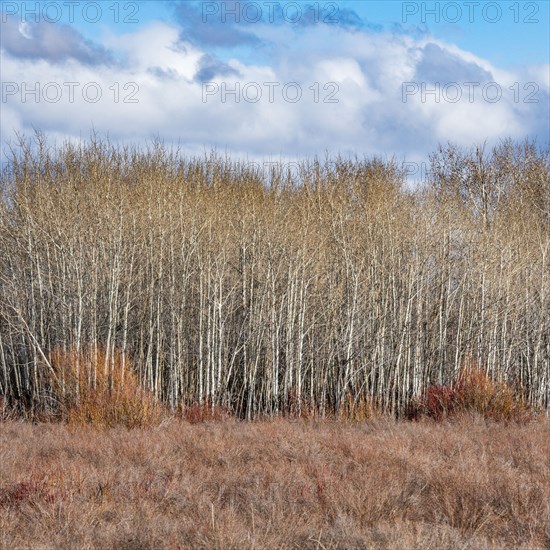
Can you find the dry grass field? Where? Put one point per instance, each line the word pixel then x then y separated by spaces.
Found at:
pixel 466 483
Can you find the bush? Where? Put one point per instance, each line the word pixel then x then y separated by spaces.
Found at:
pixel 473 391
pixel 104 393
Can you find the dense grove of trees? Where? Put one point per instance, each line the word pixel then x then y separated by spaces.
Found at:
pixel 218 282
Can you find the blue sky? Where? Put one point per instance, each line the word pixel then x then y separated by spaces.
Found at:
pixel 267 79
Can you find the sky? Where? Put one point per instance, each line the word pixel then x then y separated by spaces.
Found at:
pixel 278 79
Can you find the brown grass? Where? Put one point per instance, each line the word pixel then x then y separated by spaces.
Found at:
pixel 470 483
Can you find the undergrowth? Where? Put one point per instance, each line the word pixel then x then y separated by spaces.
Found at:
pixel 101 389
pixel 473 391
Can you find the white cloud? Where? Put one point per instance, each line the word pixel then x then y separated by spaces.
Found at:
pixel 368 68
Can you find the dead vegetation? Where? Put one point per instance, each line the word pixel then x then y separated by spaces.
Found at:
pixel 328 287
pixel 150 302
pixel 469 483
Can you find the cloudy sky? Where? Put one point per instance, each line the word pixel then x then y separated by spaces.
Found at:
pixel 268 79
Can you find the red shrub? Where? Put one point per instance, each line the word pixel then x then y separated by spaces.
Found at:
pixel 473 391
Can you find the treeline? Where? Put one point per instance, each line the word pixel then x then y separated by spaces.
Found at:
pixel 219 283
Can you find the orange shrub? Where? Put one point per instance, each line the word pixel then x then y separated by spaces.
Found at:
pixel 473 391
pixel 477 392
pixel 104 392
